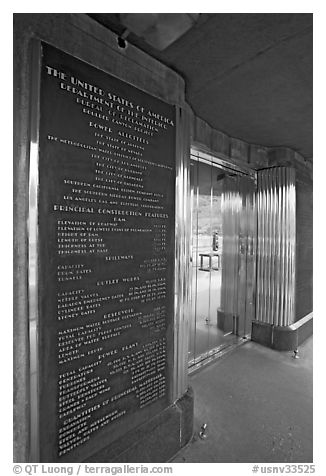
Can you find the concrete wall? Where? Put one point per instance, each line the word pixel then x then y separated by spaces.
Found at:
pixel 237 151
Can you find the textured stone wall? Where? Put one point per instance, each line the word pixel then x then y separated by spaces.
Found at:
pixel 304 245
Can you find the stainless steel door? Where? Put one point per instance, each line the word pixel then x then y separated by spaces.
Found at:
pixel 239 265
pixel 222 258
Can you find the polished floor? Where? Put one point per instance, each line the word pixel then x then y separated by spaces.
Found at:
pixel 258 407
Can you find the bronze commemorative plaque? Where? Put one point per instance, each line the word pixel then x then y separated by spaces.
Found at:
pixel 105 256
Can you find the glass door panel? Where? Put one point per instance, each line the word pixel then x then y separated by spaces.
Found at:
pixel 216 332
pixel 193 258
pixel 203 258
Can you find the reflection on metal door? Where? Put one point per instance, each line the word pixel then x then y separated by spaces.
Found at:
pixel 222 257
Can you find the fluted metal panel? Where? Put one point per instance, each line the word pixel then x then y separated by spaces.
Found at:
pixel 275 303
pixel 182 255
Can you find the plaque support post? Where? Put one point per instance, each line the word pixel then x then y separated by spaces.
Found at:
pixel 182 254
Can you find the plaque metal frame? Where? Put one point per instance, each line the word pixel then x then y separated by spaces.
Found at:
pixel 182 254
pixel 32 229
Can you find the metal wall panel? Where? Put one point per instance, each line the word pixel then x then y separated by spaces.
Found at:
pixel 276 232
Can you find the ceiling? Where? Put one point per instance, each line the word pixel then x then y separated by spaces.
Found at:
pixel 247 75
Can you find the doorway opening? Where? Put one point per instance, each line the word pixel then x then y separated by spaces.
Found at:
pixel 223 225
